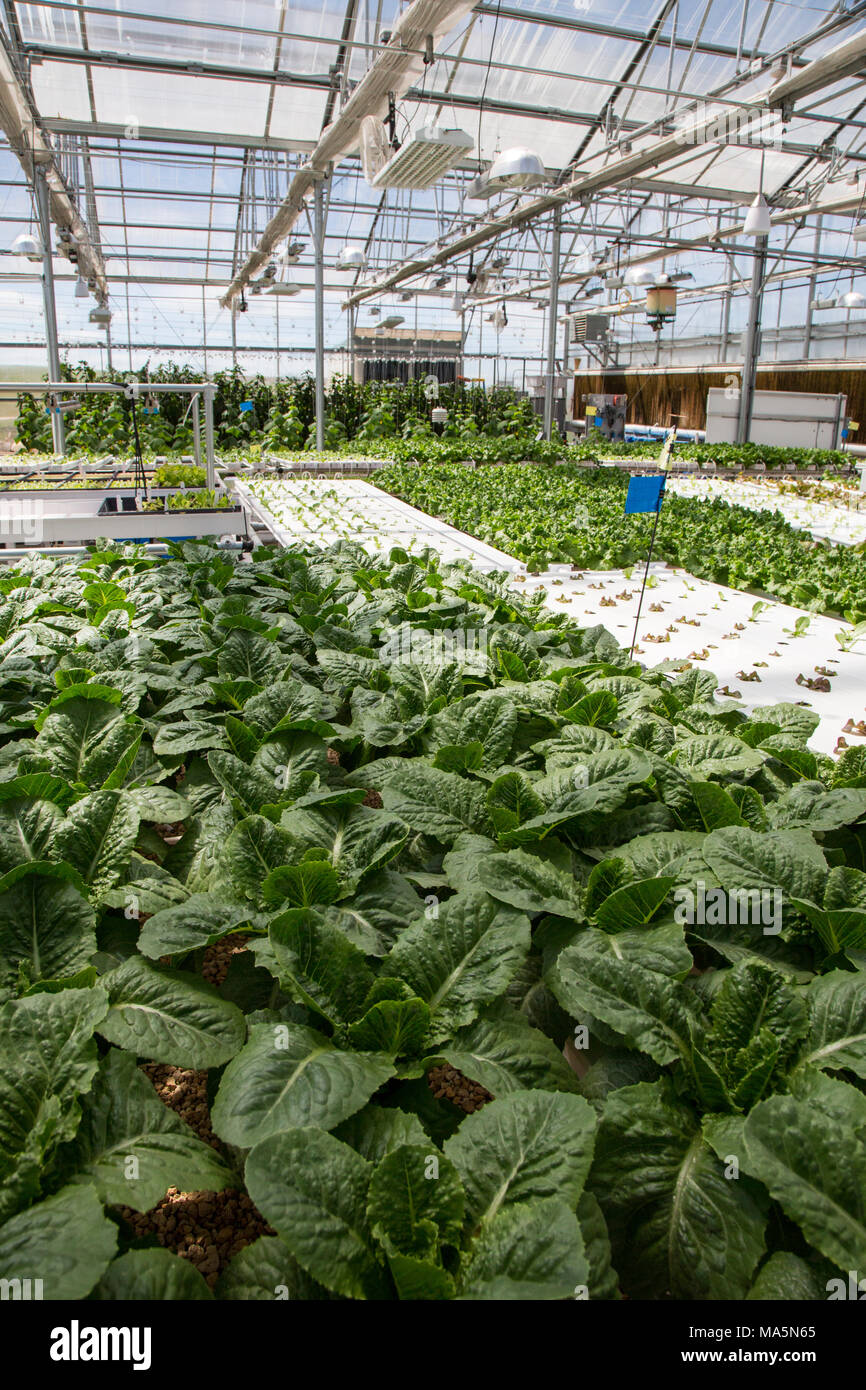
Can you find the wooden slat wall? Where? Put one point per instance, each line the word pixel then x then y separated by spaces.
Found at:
pixel 658 399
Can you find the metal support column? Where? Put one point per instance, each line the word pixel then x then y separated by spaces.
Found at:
pixel 196 428
pixel 551 323
pixel 108 346
pixel 58 427
pixel 752 343
pixel 566 353
pixel 210 461
pixel 813 289
pixel 204 327
pixel 319 239
pixel 128 328
pixel 725 331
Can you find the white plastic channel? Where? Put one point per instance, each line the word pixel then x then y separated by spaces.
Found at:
pixel 321 511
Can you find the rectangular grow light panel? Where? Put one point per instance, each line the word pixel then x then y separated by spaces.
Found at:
pixel 424 158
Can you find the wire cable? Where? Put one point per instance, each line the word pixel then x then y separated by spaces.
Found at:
pixel 487 72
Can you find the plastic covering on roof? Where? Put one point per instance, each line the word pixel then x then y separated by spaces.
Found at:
pixel 180 124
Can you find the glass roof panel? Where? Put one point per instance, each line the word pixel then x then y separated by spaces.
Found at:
pixel 700 74
pixel 736 168
pixel 176 101
pixel 189 42
pixel 534 51
pixel 49 24
pixel 246 32
pixel 60 89
pixel 298 113
pixel 169 210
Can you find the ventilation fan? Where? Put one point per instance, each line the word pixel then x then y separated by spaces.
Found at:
pixel 375 146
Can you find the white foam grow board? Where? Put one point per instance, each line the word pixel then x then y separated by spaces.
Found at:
pixel 717 612
pixel 321 511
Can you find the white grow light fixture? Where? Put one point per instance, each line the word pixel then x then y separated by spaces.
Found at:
pixel 851 300
pixel 859 232
pixel 758 221
pixel 351 258
pixel 101 315
pixel 27 245
pixel 81 290
pixel 392 321
pixel 428 154
pixel 284 288
pixel 639 275
pixel 518 169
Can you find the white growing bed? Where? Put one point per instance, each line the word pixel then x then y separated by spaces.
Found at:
pixel 821 519
pixel 321 512
pixel 717 611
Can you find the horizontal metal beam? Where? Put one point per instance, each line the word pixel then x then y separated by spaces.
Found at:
pixel 185 67
pixel 169 135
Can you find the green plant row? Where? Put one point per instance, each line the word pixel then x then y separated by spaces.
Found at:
pixel 281 417
pixel 391 419
pixel 196 500
pixel 574 514
pixel 456 832
pixel 744 456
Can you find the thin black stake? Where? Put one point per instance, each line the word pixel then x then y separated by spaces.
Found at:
pixel 140 474
pixel 646 571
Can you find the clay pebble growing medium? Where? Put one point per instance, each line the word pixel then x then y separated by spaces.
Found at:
pixel 219 956
pixel 184 1092
pixel 206 1228
pixel 447 1083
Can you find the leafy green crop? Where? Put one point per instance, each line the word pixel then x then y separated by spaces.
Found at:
pixel 390 419
pixel 455 832
pixel 569 513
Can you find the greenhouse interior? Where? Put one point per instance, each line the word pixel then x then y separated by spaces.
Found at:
pixel 382 916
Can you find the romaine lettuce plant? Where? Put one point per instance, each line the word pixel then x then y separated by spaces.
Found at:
pixel 453 832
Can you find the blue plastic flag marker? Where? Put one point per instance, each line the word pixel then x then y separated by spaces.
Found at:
pixel 645 494
pixel 246 405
